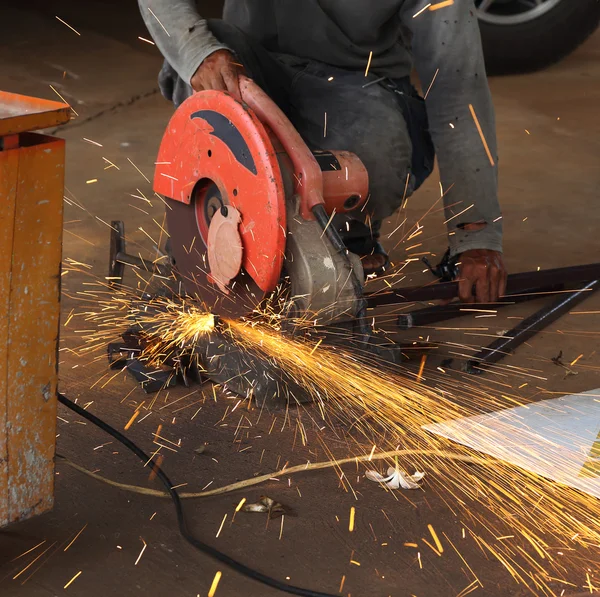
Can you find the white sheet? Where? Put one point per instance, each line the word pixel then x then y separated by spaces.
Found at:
pixel 557 438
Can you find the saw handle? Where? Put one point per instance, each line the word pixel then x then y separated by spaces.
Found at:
pixel 307 172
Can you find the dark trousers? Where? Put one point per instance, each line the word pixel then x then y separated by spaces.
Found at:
pixel 382 121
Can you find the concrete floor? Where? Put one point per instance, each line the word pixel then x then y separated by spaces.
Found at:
pixel 549 133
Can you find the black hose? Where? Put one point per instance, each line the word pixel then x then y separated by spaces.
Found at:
pixel 211 551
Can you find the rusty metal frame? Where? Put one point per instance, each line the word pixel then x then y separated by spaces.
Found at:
pixel 31 204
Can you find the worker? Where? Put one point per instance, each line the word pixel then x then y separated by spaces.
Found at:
pixel 340 70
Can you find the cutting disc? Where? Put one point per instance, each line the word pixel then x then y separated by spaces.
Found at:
pixel 215 153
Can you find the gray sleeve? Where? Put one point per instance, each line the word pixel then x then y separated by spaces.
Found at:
pixel 446 48
pixel 180 33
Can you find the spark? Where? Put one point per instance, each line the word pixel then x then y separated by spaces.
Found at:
pixel 144 417
pixel 69 26
pixel 369 64
pixel 436 539
pixel 141 552
pixel 443 4
pixel 80 238
pixel 485 145
pixel 131 421
pixel 71 581
pixel 110 164
pixel 158 21
pixel 431 84
pixel 75 538
pixel 421 368
pixel 351 522
pixel 459 213
pixel 91 181
pixel 215 584
pixel 64 100
pixel 433 549
pixel 316 346
pixel 575 360
pixel 421 11
pixel 372 452
pixel 240 505
pixel 221 527
pixel 29 550
pixel 148 41
pixel 328 222
pixel 145 177
pixel 473 586
pixel 92 142
pixel 34 561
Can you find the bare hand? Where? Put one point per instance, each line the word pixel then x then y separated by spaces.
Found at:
pixel 484 269
pixel 220 72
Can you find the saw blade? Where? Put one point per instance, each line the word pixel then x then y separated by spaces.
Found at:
pixel 190 255
pixel 215 153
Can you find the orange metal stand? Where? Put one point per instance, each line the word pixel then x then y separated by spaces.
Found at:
pixel 31 199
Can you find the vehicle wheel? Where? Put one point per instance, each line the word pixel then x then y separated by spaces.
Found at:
pixel 522 36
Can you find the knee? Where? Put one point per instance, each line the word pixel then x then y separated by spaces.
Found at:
pixel 380 138
pixel 367 121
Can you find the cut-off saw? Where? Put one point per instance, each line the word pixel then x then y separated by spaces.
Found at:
pixel 250 207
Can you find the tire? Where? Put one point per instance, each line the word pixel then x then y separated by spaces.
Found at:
pixel 534 44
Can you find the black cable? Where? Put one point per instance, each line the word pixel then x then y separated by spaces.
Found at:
pixel 211 551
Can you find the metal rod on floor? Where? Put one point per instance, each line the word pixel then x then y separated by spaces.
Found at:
pixel 431 315
pixel 500 348
pixel 525 282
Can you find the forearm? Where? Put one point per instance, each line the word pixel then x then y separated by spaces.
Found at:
pixel 468 177
pixel 449 61
pixel 180 33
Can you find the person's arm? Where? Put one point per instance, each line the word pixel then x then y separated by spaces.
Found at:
pixel 448 57
pixel 184 39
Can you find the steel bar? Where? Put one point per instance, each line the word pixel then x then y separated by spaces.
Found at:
pixel 133 261
pixel 119 257
pixel 530 326
pixel 525 282
pixel 438 313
